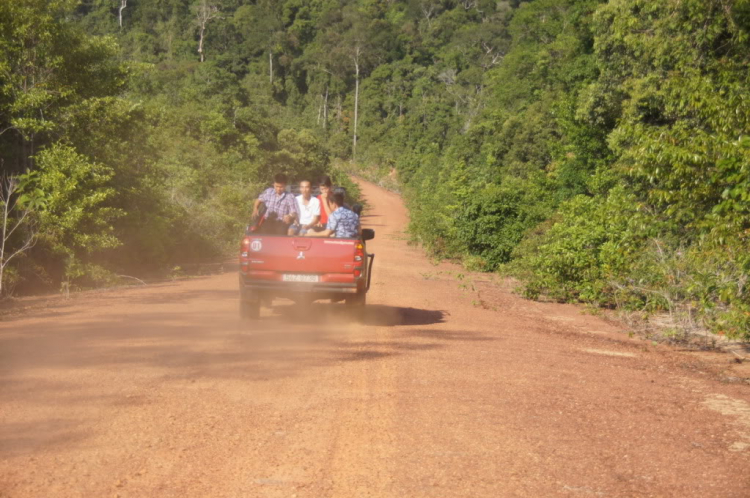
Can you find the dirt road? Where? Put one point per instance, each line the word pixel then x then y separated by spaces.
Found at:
pixel 448 387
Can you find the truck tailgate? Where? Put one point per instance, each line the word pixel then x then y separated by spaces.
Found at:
pixel 299 254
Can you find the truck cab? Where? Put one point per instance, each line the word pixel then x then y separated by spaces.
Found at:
pixel 303 269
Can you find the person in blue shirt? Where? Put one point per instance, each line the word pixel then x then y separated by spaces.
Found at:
pixel 342 222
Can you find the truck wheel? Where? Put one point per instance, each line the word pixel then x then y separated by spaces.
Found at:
pixel 357 300
pixel 249 310
pixel 356 305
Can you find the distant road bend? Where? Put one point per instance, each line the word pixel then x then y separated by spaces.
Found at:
pixel 446 388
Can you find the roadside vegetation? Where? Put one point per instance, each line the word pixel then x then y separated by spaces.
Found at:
pixel 597 150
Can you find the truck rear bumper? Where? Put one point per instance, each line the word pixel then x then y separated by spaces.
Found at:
pixel 252 289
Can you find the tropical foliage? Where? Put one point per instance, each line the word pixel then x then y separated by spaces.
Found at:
pixel 597 149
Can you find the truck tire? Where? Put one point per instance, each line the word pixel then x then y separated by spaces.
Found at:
pixel 249 310
pixel 357 300
pixel 356 306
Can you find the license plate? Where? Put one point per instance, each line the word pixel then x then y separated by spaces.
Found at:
pixel 292 277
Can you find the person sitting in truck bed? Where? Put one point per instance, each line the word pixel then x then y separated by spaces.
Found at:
pixel 281 206
pixel 308 208
pixel 326 201
pixel 342 222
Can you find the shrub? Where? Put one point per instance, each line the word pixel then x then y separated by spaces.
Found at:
pixel 594 240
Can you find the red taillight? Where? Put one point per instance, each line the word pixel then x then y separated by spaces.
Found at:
pixel 359 256
pixel 244 248
pixel 359 252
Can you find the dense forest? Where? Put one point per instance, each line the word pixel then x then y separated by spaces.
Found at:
pixel 596 150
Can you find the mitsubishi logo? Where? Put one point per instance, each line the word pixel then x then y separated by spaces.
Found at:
pixel 301 255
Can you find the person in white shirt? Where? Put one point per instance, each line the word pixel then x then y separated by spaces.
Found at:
pixel 309 210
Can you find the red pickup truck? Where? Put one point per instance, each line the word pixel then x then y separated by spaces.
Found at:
pixel 303 269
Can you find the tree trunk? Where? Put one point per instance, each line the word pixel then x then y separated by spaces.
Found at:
pixel 270 67
pixel 32 155
pixel 6 208
pixel 26 154
pixel 123 4
pixel 200 43
pixel 325 111
pixel 204 14
pixel 356 110
pixel 9 187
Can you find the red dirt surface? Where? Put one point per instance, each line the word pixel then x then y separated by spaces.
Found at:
pixel 449 386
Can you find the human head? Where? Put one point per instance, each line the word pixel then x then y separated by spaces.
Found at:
pixel 338 196
pixel 324 184
pixel 279 183
pixel 305 188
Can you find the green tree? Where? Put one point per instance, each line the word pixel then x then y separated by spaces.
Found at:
pixel 74 219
